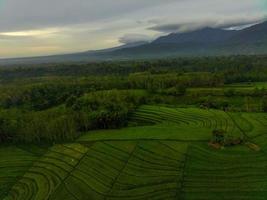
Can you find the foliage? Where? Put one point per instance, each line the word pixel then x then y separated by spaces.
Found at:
pixel 59 102
pixel 264 104
pixel 55 124
pixel 64 103
pixel 107 109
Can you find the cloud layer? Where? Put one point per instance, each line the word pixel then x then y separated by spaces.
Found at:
pixel 37 27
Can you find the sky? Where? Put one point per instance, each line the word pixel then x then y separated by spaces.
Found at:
pixel 47 27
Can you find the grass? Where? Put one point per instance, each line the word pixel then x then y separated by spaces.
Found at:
pixel 230 174
pixel 163 154
pixel 14 163
pixel 249 85
pixel 233 94
pixel 158 132
pixel 181 124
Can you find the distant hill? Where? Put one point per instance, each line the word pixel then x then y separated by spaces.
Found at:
pixel 254 34
pixel 202 36
pixel 203 42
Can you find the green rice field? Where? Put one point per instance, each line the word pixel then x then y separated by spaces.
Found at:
pixel 162 154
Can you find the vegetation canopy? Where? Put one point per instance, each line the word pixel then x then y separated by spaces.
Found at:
pixel 160 129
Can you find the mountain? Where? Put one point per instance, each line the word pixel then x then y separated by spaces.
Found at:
pixel 203 42
pixel 254 34
pixel 202 36
pixel 130 45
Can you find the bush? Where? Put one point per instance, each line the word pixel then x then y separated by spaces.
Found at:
pixel 179 90
pixel 9 124
pixel 106 109
pixel 229 92
pixel 213 103
pixel 57 124
pixel 221 138
pixel 218 136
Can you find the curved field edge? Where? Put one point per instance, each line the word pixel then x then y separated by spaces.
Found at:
pixel 14 163
pixel 143 170
pixel 167 160
pixel 182 124
pixel 159 132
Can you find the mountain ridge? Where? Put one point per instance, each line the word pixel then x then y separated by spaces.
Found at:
pixel 206 41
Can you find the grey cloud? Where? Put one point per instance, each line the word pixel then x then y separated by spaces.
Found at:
pixel 133 38
pixel 34 14
pixel 31 14
pixel 92 24
pixel 189 26
pixel 241 22
pixel 166 28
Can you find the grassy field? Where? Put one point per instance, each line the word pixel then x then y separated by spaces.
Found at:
pixel 241 89
pixel 163 154
pixel 249 85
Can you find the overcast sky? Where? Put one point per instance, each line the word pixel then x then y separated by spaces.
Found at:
pixel 43 27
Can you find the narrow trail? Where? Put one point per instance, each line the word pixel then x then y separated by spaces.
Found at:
pixel 183 168
pixel 237 125
pixel 121 171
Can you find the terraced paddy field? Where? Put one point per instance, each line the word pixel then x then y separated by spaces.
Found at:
pixel 163 154
pixel 239 89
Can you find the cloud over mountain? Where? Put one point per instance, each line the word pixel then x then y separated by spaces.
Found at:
pixel 89 24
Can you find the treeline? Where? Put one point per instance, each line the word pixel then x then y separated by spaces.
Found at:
pixel 154 82
pixel 50 93
pixel 96 110
pixel 233 68
pixel 57 103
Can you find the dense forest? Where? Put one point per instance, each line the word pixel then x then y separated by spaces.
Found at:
pixel 234 68
pixel 56 103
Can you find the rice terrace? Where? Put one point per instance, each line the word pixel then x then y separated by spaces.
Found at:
pixel 165 157
pixel 133 100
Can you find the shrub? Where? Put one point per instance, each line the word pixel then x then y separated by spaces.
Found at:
pixel 218 136
pixel 229 92
pixel 106 109
pixel 221 138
